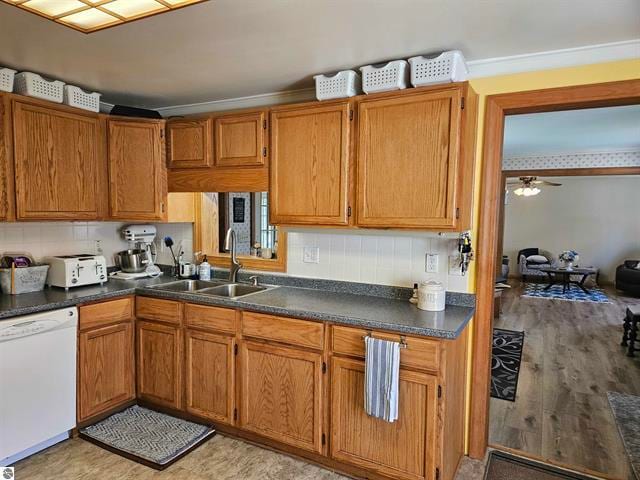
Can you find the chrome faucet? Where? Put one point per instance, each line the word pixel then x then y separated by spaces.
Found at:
pixel 230 246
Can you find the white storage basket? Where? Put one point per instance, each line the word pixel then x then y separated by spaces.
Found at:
pixel 76 97
pixel 341 85
pixel 6 79
pixel 446 67
pixel 34 85
pixel 385 77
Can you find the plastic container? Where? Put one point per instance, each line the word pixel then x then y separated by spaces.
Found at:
pixel 343 84
pixel 204 270
pixel 26 279
pixel 444 68
pixel 431 296
pixel 76 97
pixel 33 85
pixel 384 77
pixel 6 79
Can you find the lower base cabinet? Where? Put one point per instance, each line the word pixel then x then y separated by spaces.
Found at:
pixel 281 394
pixel 159 366
pixel 403 449
pixel 105 369
pixel 209 375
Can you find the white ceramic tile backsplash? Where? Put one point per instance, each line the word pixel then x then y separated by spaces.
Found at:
pixel 389 258
pixel 182 235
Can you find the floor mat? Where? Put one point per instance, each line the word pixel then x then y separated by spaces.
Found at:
pixel 502 466
pixel 148 437
pixel 506 355
pixel 625 411
pixel 574 294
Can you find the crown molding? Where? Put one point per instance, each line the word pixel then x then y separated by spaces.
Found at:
pixel 528 62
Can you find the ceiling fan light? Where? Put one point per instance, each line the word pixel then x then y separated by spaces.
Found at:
pixel 519 191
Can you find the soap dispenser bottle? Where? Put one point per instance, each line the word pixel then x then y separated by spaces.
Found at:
pixel 204 270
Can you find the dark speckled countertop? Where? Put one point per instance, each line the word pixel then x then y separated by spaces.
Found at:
pixel 388 310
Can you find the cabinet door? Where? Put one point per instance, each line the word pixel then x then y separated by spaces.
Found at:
pixel 6 162
pixel 408 152
pixel 310 165
pixel 281 394
pixel 159 364
pixel 209 375
pixel 240 140
pixel 106 369
pixel 189 143
pixel 58 163
pixel 137 174
pixel 402 449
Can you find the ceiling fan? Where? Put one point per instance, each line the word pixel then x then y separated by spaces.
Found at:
pixel 528 186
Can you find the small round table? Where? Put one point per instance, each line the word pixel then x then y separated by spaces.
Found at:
pixel 562 276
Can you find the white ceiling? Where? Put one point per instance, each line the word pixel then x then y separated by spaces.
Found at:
pixel 231 48
pixel 572 131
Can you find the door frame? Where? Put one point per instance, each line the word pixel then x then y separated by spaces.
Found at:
pixel 626 92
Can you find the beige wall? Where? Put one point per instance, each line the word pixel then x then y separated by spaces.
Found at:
pixel 599 217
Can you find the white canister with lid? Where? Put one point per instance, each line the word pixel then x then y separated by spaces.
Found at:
pixel 431 296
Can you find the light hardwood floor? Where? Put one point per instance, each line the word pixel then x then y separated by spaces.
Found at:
pixel 571 358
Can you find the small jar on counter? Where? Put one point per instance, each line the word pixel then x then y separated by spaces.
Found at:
pixel 431 296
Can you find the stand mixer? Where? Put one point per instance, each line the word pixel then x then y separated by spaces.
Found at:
pixel 140 237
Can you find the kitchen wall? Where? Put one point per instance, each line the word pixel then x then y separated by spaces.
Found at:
pixel 389 258
pixel 598 219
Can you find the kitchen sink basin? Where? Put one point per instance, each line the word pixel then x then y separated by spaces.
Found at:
pixel 232 290
pixel 186 285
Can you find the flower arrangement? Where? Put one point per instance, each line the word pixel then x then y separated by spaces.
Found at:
pixel 568 257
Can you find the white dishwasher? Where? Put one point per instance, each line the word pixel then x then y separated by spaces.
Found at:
pixel 37 382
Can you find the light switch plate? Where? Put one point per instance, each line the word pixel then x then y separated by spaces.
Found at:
pixel 311 255
pixel 431 263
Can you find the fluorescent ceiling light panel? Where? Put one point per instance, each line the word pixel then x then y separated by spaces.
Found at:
pixel 91 15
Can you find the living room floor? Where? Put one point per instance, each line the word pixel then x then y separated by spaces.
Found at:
pixel 571 358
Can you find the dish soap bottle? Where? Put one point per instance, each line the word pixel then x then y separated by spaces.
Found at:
pixel 204 270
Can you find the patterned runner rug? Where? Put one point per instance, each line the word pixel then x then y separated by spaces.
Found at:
pixel 625 412
pixel 574 294
pixel 505 363
pixel 148 437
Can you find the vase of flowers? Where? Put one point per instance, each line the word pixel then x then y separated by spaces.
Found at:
pixel 568 258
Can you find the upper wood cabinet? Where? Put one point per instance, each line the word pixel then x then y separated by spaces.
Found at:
pixel 240 140
pixel 281 394
pixel 310 164
pixel 7 199
pixel 59 163
pixel 189 143
pixel 137 174
pixel 410 160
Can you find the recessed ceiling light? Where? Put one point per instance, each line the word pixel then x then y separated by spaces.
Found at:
pixel 92 15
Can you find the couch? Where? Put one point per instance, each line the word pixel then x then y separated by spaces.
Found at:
pixel 529 268
pixel 628 277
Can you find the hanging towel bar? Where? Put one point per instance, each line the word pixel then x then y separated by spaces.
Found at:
pixel 403 339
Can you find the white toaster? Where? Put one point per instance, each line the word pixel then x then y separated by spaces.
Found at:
pixel 76 270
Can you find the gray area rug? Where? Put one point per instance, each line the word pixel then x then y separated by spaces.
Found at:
pixel 503 466
pixel 152 438
pixel 626 412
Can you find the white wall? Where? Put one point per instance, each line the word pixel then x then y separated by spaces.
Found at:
pixel 389 258
pixel 599 217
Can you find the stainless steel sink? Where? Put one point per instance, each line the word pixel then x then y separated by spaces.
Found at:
pixel 233 290
pixel 186 285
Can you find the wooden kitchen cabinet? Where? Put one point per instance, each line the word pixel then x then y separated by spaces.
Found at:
pixel 189 143
pixel 210 375
pixel 159 364
pixel 137 173
pixel 310 164
pixel 59 163
pixel 7 181
pixel 414 167
pixel 240 140
pixel 281 393
pixel 404 449
pixel 105 369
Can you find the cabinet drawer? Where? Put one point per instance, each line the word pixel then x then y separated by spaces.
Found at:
pixel 420 352
pixel 104 313
pixel 286 330
pixel 158 309
pixel 212 318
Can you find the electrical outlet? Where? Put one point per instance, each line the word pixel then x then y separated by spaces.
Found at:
pixel 311 254
pixel 431 263
pixel 454 265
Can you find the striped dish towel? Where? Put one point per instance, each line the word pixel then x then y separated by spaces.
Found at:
pixel 382 375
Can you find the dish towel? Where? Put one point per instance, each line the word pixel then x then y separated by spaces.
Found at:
pixel 382 376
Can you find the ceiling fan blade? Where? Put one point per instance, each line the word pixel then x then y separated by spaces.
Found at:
pixel 550 184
